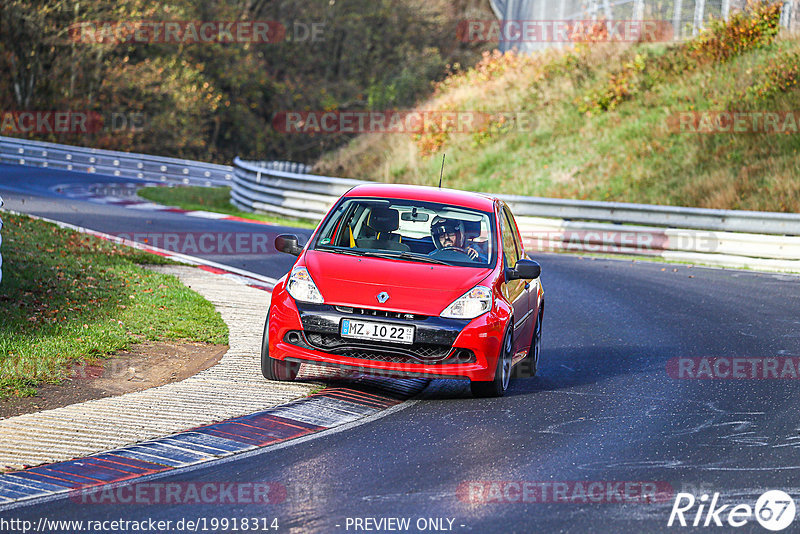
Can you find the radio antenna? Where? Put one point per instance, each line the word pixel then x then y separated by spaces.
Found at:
pixel 442 172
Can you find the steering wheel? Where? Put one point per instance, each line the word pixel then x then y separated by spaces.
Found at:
pixel 450 249
pixel 457 249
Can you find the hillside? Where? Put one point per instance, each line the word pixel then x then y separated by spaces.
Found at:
pixel 614 122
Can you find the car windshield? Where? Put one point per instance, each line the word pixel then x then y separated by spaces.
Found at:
pixel 410 230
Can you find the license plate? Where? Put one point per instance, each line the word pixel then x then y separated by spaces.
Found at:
pixel 378 331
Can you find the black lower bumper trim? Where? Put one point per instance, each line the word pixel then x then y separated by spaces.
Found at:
pixel 376 372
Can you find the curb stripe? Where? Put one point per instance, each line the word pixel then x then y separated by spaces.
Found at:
pixel 43 477
pixel 111 466
pixel 143 467
pixel 357 400
pixel 205 441
pixel 84 192
pixel 30 483
pixel 315 413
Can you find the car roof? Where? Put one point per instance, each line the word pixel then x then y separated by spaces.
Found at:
pixel 464 199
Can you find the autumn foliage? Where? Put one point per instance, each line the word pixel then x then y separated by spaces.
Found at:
pixel 216 100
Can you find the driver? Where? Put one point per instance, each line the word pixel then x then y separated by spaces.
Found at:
pixel 449 234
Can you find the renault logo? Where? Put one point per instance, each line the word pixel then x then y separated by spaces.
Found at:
pixel 382 297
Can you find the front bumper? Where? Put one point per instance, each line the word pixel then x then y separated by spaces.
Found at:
pixel 443 348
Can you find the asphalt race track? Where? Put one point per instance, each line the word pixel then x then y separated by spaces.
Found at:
pixel 32 191
pixel 604 413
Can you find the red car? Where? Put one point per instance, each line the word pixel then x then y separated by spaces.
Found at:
pixel 404 281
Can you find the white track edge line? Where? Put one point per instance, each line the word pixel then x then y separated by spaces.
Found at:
pixel 183 258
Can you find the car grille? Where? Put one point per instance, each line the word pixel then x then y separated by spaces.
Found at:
pixel 425 353
pixel 382 313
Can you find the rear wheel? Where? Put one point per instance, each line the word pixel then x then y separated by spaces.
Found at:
pixel 271 368
pixel 502 374
pixel 530 365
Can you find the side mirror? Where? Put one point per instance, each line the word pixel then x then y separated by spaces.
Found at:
pixel 288 243
pixel 524 269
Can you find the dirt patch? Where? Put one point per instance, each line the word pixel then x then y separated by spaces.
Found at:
pixel 145 366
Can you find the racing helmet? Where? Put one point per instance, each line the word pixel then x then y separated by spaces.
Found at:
pixel 442 225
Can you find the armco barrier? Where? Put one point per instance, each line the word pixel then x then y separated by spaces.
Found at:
pixel 760 240
pixel 711 247
pixel 285 189
pixel 653 215
pixel 263 186
pixel 112 163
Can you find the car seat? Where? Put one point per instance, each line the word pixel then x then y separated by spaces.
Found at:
pixel 383 222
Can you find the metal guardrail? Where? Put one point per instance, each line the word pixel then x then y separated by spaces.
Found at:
pixel 272 186
pixel 654 215
pixel 701 246
pixel 284 188
pixel 112 163
pixel 762 240
pixel 724 237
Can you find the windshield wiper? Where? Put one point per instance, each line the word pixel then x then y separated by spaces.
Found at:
pixel 387 254
pixel 350 251
pixel 422 258
pixel 404 256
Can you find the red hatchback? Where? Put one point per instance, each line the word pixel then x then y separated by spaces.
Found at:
pixel 409 281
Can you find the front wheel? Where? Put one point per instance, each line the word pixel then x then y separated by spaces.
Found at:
pixel 502 374
pixel 271 368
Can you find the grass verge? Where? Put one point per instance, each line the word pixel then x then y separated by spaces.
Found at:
pixel 216 199
pixel 66 298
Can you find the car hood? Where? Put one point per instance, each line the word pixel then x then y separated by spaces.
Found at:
pixel 417 287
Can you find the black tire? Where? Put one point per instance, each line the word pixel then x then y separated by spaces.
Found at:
pixel 530 365
pixel 502 374
pixel 271 368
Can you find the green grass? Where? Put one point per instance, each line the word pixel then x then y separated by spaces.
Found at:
pixel 216 199
pixel 585 146
pixel 67 298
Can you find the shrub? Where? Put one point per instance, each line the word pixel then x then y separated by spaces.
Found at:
pixel 780 76
pixel 755 27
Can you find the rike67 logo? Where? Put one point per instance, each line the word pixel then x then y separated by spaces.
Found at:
pixel 774 510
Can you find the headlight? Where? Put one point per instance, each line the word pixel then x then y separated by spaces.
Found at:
pixel 471 304
pixel 302 287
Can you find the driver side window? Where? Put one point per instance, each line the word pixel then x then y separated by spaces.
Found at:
pixel 510 252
